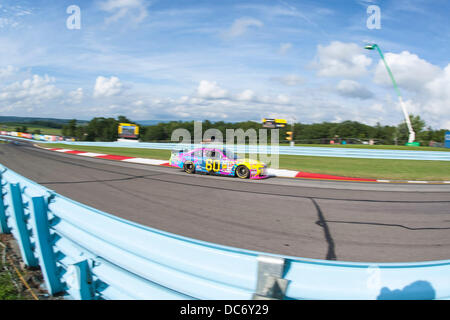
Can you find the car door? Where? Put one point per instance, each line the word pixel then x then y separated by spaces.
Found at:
pixel 206 155
pixel 226 164
pixel 212 160
pixel 197 156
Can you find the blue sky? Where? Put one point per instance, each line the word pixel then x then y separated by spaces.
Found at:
pixel 224 60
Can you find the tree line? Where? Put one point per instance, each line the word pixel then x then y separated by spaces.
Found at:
pixel 105 129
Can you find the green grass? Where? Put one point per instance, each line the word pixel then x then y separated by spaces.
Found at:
pixel 31 128
pixel 374 147
pixel 7 289
pixel 349 167
pixel 370 168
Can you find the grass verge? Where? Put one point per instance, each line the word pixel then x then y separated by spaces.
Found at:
pixel 31 128
pixel 349 167
pixel 7 289
pixel 370 168
pixel 374 147
pixel 9 282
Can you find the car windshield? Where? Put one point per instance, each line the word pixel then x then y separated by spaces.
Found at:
pixel 229 154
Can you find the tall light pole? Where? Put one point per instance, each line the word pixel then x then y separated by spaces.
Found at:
pixel 412 134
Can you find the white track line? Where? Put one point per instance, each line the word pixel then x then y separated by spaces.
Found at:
pixel 146 161
pixel 91 154
pixel 282 173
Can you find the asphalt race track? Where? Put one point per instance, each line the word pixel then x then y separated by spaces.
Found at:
pixel 344 221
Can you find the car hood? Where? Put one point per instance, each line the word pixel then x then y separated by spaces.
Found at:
pixel 251 162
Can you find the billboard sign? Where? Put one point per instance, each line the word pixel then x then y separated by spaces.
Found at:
pixel 128 130
pixel 274 123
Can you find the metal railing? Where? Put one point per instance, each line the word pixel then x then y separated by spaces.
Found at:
pixel 85 253
pixel 361 153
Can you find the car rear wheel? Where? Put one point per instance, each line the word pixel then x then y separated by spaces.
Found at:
pixel 242 172
pixel 189 167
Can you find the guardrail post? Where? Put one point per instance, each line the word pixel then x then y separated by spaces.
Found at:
pixel 3 224
pixel 79 281
pixel 270 285
pixel 23 234
pixel 44 246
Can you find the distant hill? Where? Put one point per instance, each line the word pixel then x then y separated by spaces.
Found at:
pixel 151 122
pixel 60 122
pixel 154 122
pixel 8 119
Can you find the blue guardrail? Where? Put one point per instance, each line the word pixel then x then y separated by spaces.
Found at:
pixel 297 151
pixel 88 254
pixel 284 150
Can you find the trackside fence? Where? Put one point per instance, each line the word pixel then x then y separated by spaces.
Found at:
pixel 360 153
pixel 88 254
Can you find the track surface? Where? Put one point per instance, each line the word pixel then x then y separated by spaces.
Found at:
pixel 323 220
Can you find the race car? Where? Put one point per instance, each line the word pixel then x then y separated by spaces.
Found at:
pixel 217 161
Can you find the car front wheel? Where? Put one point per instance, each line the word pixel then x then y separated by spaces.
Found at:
pixel 242 172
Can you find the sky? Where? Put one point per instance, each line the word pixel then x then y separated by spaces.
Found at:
pixel 225 60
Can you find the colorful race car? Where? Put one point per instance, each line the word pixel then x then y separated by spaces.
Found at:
pixel 217 161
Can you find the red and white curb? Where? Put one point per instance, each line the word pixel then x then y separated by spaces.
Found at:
pixel 307 175
pixel 272 172
pixel 111 157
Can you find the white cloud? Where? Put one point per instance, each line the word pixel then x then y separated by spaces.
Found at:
pixel 246 95
pixel 283 99
pixel 135 9
pixel 439 88
pixel 29 93
pixel 289 80
pixel 7 72
pixel 215 111
pixel 340 59
pixel 412 106
pixel 428 84
pixel 107 87
pixel 437 98
pixel 8 22
pixel 12 16
pixel 241 25
pixel 76 96
pixel 211 101
pixel 308 105
pixel 353 89
pixel 377 107
pixel 210 90
pixel 410 72
pixel 285 47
